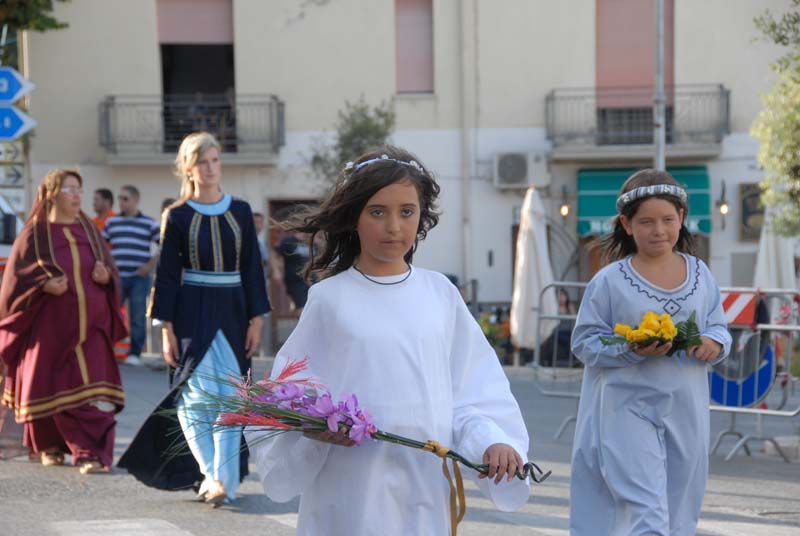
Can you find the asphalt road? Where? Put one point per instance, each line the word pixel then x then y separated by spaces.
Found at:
pixel 753 496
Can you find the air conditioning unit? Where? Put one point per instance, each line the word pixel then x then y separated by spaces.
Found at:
pixel 520 170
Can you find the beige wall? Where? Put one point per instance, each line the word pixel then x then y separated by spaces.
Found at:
pixel 714 43
pixel 335 52
pixel 110 47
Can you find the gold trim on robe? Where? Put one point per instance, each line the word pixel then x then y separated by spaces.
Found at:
pixel 82 320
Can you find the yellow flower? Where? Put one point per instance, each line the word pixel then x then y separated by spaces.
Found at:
pixel 640 335
pixel 667 331
pixel 650 321
pixel 665 317
pixel 622 329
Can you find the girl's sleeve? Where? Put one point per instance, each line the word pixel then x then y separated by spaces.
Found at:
pixel 253 282
pixel 484 410
pixel 594 321
pixel 716 325
pixel 288 463
pixel 168 272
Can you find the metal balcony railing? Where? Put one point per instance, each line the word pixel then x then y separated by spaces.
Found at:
pixel 154 125
pixel 695 114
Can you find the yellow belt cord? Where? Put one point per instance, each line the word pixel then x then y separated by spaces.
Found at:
pixel 458 503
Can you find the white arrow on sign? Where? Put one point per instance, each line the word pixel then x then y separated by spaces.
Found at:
pixel 14 122
pixel 13 86
pixel 11 175
pixel 11 152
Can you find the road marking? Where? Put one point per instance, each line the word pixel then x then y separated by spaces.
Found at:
pixel 119 527
pixel 737 528
pixel 289 520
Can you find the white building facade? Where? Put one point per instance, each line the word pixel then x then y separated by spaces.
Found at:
pixel 555 85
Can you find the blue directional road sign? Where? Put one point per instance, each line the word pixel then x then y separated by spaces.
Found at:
pixel 14 123
pixel 13 86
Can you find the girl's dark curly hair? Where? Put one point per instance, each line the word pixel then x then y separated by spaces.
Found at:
pixel 618 244
pixel 336 219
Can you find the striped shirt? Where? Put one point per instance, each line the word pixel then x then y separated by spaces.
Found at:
pixel 130 239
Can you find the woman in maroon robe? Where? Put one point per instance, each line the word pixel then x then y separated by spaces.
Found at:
pixel 59 319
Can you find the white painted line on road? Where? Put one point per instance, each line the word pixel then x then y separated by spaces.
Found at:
pixel 119 527
pixel 290 520
pixel 731 528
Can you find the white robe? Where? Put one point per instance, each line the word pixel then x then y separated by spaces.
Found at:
pixel 640 456
pixel 420 365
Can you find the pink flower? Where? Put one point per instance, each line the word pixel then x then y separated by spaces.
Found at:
pixel 287 391
pixel 323 407
pixel 362 427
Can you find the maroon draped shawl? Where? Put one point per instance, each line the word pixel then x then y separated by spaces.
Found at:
pixel 31 263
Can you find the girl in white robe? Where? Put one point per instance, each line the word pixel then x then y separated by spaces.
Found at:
pixel 640 456
pixel 402 340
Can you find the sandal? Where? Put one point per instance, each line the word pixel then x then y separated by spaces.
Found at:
pixel 52 458
pixel 91 466
pixel 216 494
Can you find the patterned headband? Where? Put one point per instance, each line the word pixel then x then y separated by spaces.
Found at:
pixel 351 166
pixel 647 191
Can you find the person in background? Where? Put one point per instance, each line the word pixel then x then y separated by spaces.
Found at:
pixel 59 317
pixel 294 253
pixel 131 235
pixel 103 204
pixel 258 219
pixel 266 327
pixel 210 296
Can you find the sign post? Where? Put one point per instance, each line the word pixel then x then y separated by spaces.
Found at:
pixel 13 124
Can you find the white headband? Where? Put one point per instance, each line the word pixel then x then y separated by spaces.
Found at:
pixel 351 166
pixel 647 191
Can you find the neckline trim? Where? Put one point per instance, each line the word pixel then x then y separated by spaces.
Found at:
pixel 640 277
pixel 211 209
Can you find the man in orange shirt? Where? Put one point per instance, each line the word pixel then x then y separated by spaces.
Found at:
pixel 103 201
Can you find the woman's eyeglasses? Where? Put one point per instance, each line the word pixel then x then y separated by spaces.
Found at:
pixel 72 190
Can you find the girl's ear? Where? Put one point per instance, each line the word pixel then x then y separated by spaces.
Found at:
pixel 626 224
pixel 682 215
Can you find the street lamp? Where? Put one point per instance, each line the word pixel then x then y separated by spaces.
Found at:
pixel 564 209
pixel 722 205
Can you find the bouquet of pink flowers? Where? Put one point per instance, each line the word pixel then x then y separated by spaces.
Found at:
pixel 285 404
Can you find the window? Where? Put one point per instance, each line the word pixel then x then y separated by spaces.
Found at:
pixel 414 27
pixel 197 70
pixel 625 70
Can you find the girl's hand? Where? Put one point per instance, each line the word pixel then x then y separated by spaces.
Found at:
pixel 708 350
pixel 502 460
pixel 169 343
pixel 653 349
pixel 253 339
pixel 56 285
pixel 339 438
pixel 100 274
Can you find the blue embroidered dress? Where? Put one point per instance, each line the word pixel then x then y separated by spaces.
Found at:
pixel 209 284
pixel 640 456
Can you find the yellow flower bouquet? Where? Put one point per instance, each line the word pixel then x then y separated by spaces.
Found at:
pixel 657 328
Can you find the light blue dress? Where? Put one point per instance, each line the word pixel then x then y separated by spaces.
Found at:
pixel 640 456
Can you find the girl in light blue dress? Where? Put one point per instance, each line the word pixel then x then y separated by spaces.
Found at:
pixel 640 456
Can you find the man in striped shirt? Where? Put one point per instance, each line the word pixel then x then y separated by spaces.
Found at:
pixel 134 245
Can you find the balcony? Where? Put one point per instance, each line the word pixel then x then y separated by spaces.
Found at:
pixel 586 124
pixel 147 129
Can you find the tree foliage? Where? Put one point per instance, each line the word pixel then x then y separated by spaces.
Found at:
pixel 359 127
pixel 777 127
pixel 19 15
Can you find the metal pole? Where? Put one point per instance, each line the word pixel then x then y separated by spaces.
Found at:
pixel 659 101
pixel 24 64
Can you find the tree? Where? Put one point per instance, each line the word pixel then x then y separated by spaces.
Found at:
pixel 358 128
pixel 777 127
pixel 19 15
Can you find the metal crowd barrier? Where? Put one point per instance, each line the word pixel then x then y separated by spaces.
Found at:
pixel 557 372
pixel 756 378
